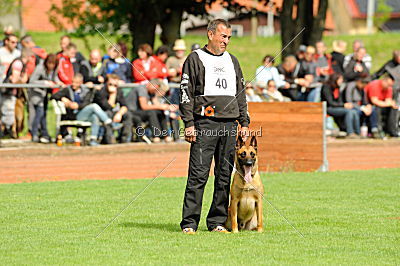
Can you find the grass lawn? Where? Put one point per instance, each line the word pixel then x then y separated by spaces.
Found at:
pixel 347 217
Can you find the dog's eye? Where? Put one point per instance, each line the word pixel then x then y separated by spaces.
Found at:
pixel 243 154
pixel 252 154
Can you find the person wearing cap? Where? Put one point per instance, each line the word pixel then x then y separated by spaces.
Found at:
pixel 195 46
pixel 175 63
pixel 212 103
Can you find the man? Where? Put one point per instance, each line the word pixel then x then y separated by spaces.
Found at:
pixel 93 70
pixel 65 68
pixel 212 99
pixel 77 59
pixel 116 64
pixel 174 63
pixel 380 94
pixel 78 103
pixel 111 100
pixel 356 68
pixel 8 53
pixel 337 55
pixel 143 104
pixel 367 59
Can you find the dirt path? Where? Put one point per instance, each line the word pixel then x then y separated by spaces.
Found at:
pixel 51 163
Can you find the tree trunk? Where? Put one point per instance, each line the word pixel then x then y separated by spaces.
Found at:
pixel 319 23
pixel 287 27
pixel 171 26
pixel 142 27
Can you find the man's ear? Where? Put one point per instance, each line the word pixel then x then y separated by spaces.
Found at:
pixel 210 35
pixel 253 142
pixel 239 143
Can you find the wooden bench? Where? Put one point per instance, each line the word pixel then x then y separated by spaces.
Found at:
pixel 59 110
pixel 293 135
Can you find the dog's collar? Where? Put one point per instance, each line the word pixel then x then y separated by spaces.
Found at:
pixel 248 189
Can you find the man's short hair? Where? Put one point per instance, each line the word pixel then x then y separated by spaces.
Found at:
pixel 27 38
pixel 112 76
pixel 65 36
pixel 396 53
pixel 212 26
pixel 71 46
pixel 387 76
pixel 163 49
pixel 8 36
pixel 78 76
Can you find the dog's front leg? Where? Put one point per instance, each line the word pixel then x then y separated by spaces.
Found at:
pixel 259 215
pixel 234 212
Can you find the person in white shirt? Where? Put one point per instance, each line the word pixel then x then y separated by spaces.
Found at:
pixel 267 72
pixel 8 53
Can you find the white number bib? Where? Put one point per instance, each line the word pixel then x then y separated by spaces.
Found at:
pixel 220 75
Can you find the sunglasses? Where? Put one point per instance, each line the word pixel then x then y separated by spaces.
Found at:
pixel 113 84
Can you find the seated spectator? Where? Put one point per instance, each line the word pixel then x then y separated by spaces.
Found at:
pixel 94 69
pixel 9 30
pixel 356 68
pixel 267 71
pixel 339 48
pixel 195 46
pixel 142 103
pixel 66 70
pixel 146 67
pixel 251 96
pixel 392 68
pixel 160 68
pixel 355 94
pixel 380 94
pixel 77 59
pixel 116 64
pixel 272 94
pixel 342 112
pixel 78 103
pixel 313 88
pixel 297 77
pixel 367 59
pixel 301 52
pixel 27 42
pixel 111 99
pixel 175 63
pixel 324 62
pixel 14 98
pixel 45 74
pixel 8 53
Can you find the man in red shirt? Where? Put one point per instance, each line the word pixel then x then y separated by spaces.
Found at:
pixel 380 94
pixel 65 67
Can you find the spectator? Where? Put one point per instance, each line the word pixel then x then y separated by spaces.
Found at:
pixel 272 94
pixel 27 42
pixel 13 98
pixel 142 103
pixel 251 96
pixel 160 69
pixel 175 62
pixel 116 64
pixel 94 69
pixel 339 47
pixel 367 59
pixel 9 30
pixel 111 99
pixel 340 111
pixel 195 46
pixel 297 77
pixel 146 66
pixel 8 53
pixel 380 94
pixel 355 94
pixel 78 102
pixel 44 74
pixel 77 59
pixel 267 72
pixel 301 52
pixel 65 68
pixel 356 68
pixel 392 68
pixel 324 62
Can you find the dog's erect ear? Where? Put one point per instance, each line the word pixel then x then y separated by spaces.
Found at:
pixel 253 142
pixel 239 143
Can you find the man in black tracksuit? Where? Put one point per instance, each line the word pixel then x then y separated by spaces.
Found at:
pixel 212 98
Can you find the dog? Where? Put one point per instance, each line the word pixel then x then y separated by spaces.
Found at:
pixel 247 190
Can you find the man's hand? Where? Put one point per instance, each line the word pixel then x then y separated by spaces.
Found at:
pixel 73 105
pixel 348 105
pixel 117 118
pixel 190 134
pixel 244 133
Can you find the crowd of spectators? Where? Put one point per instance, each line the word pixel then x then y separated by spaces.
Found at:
pixel 361 103
pixel 92 90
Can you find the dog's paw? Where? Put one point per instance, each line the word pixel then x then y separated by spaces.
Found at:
pixel 260 230
pixel 235 231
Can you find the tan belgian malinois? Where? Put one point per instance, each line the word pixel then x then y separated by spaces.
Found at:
pixel 245 208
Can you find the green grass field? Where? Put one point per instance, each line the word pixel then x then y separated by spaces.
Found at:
pixel 349 217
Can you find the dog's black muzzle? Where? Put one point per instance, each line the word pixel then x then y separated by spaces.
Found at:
pixel 248 162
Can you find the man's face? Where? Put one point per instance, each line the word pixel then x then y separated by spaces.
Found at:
pixel 71 53
pixel 309 56
pixel 321 48
pixel 360 54
pixel 11 43
pixel 220 39
pixel 64 43
pixel 356 46
pixel 112 85
pixel 94 58
pixel 387 83
pixel 180 53
pixel 76 83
